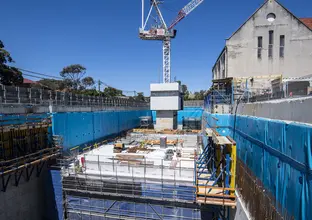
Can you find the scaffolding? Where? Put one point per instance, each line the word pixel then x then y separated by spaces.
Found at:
pixel 79 208
pixel 225 93
pixel 216 170
pixel 132 184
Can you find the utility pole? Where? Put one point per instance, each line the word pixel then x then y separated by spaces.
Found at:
pixel 99 86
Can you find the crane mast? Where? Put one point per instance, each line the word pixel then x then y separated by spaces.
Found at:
pixel 162 32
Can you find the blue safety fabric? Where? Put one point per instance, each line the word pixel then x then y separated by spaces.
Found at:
pixel 78 128
pixel 278 152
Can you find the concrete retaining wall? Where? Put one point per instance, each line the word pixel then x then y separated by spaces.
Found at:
pixel 26 201
pixel 295 109
pixel 240 212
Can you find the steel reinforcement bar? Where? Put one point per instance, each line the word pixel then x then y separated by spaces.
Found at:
pixel 260 203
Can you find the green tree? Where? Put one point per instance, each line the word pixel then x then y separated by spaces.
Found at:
pixel 186 96
pixel 112 92
pixel 184 89
pixel 87 82
pixel 140 97
pixel 199 95
pixel 54 84
pixel 8 75
pixel 74 74
pixel 92 92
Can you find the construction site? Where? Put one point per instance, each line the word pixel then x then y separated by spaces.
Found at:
pixel 170 173
pixel 242 152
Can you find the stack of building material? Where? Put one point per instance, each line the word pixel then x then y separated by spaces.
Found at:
pixel 133 159
pixel 145 131
pixel 187 153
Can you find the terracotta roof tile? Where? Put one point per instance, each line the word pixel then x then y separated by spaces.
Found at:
pixel 307 22
pixel 28 81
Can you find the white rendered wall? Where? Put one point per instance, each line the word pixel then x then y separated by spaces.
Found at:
pixel 166 103
pixel 166 120
pixel 167 97
pixel 157 87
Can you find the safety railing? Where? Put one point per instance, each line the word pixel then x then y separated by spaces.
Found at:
pixel 45 97
pixel 88 208
pixel 141 178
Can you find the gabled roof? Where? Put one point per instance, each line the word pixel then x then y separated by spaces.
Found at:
pixel 307 22
pixel 248 19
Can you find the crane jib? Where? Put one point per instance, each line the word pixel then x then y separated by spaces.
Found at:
pixel 191 6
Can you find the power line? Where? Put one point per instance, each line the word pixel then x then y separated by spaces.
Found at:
pixel 41 74
pixel 124 91
pixel 39 77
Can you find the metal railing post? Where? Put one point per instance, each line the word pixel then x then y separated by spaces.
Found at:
pixel 55 98
pixel 41 95
pixel 29 95
pixel 18 95
pixel 50 98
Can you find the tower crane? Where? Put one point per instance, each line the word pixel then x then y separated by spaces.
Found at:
pixel 162 32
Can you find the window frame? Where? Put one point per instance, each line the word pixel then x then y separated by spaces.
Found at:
pixel 282 46
pixel 259 47
pixel 271 44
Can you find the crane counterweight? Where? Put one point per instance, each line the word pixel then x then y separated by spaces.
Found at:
pixel 156 34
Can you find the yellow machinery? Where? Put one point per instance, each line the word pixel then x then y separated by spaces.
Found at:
pixel 119 147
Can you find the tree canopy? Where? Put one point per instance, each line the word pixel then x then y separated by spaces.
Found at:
pixel 112 92
pixel 54 84
pixel 74 73
pixel 8 75
pixel 87 82
pixel 139 97
pixel 191 96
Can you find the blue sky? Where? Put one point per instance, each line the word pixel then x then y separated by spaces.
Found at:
pixel 102 35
